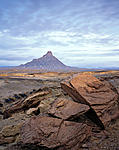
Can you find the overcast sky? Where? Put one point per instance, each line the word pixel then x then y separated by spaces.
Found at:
pixel 82 33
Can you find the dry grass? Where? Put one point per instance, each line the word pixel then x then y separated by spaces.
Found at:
pixel 22 74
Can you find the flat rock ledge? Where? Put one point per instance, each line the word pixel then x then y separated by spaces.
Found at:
pixel 67 109
pixel 54 133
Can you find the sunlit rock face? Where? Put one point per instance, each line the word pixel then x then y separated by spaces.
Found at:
pixel 102 97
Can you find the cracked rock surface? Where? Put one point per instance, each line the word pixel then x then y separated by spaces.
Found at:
pixel 54 133
pixel 50 118
pixel 100 96
pixel 67 109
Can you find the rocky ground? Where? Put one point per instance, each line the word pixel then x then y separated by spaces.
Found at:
pixel 25 101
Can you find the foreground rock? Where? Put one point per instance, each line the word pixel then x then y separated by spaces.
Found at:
pixel 10 129
pixel 67 109
pixel 30 102
pixel 9 134
pixel 68 121
pixel 52 133
pixel 100 96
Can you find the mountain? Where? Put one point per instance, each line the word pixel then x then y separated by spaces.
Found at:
pixel 47 62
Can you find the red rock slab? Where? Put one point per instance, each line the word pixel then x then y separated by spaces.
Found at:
pixel 92 90
pixel 100 96
pixel 54 133
pixel 25 104
pixel 66 86
pixel 67 109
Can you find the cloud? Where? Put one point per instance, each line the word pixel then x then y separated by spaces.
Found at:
pixel 14 58
pixel 74 30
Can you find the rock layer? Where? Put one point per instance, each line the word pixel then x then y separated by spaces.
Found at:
pixel 100 96
pixel 67 109
pixel 54 133
pixel 25 104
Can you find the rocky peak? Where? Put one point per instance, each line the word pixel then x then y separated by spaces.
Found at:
pixel 46 62
pixel 49 53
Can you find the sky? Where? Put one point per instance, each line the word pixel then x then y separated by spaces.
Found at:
pixel 81 33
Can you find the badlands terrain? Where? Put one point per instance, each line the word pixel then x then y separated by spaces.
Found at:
pixel 38 112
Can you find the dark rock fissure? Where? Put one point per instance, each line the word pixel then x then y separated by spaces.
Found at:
pixel 53 116
pixel 91 114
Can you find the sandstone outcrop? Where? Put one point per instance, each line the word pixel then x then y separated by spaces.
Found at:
pixel 100 96
pixel 48 118
pixel 25 104
pixel 67 109
pixel 54 133
pixel 57 131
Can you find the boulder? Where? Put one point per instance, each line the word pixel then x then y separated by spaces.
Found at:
pixel 66 86
pixel 100 96
pixel 52 133
pixel 67 109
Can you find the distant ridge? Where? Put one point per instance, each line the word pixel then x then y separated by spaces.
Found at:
pixel 47 62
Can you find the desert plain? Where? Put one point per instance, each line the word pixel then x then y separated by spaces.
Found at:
pixel 26 95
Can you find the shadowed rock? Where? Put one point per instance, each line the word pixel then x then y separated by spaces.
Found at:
pixel 1 105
